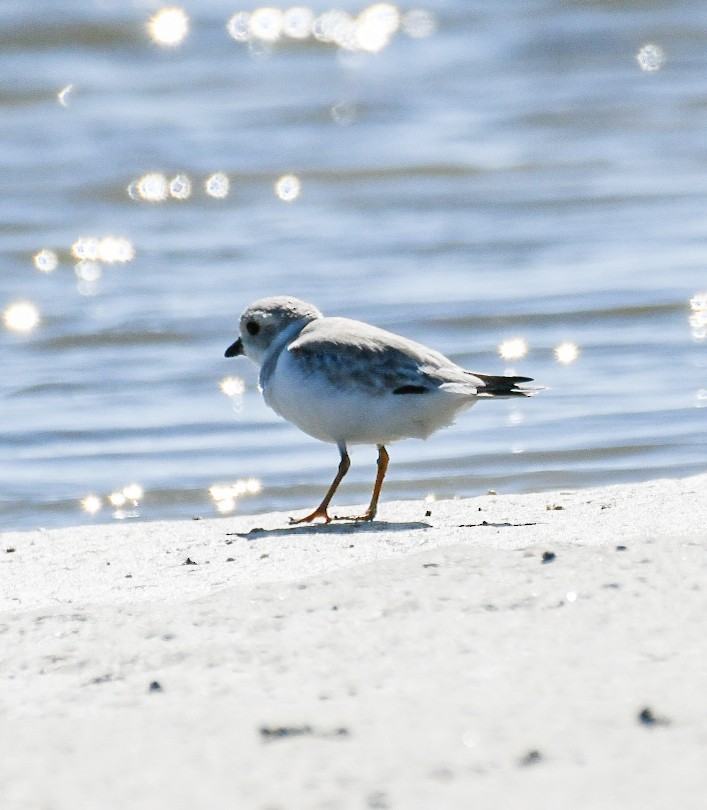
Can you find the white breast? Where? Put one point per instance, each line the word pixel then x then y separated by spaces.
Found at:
pixel 348 414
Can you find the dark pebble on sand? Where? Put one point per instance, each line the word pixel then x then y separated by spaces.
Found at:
pixel 280 732
pixel 647 718
pixel 531 758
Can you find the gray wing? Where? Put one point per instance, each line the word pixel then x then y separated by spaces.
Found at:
pixel 356 355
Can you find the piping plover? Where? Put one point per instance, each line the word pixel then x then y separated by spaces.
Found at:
pixel 347 382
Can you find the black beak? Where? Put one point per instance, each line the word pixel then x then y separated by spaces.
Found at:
pixel 234 349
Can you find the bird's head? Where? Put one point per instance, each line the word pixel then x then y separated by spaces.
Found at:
pixel 270 321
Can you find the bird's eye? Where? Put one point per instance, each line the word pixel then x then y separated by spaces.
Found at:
pixel 252 327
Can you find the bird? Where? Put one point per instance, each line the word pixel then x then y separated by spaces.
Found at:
pixel 347 382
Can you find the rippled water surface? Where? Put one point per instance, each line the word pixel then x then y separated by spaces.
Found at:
pixel 483 177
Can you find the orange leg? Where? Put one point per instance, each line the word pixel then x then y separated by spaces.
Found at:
pixel 370 513
pixel 320 513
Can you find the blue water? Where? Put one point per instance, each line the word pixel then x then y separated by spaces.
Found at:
pixel 513 174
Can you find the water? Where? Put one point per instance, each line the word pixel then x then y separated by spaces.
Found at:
pixel 515 173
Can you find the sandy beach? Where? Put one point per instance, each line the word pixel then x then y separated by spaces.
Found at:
pixel 506 651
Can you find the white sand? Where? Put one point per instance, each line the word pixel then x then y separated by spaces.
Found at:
pixel 418 662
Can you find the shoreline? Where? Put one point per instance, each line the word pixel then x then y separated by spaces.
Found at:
pixel 505 650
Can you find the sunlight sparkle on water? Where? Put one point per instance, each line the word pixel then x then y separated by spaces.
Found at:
pixel 22 316
pixel 513 349
pixel 334 26
pixel 129 495
pixel 297 22
pixel 232 386
pixel 266 24
pixel 651 58
pixel 115 250
pixel 217 185
pixel 64 95
pixel 180 187
pixel 288 187
pixel 169 27
pixel 225 496
pixel 370 32
pixel 155 187
pixel 133 492
pixel 46 261
pixel 376 26
pixel 566 353
pixel 107 249
pixel 92 504
pixel 698 318
pixel 237 26
pixel 151 187
pixel 85 248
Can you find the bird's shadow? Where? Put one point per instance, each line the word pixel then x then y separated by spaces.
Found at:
pixel 335 527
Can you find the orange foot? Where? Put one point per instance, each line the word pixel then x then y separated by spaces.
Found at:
pixel 318 516
pixel 322 516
